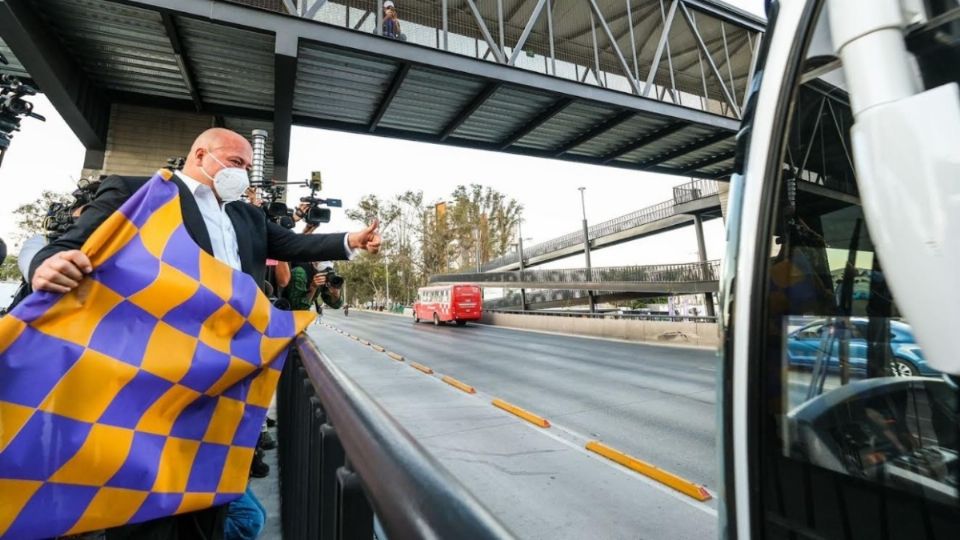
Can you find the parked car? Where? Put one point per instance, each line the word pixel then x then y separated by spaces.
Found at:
pixel 805 344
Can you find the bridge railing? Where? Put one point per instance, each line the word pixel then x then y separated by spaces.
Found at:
pixel 697 189
pixel 659 273
pixel 618 224
pixel 582 44
pixel 608 315
pixel 344 459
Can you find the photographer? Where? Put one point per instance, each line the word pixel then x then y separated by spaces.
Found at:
pixel 307 280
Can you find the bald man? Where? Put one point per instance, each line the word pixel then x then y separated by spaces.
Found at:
pixel 211 182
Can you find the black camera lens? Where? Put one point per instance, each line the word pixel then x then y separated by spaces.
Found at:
pixel 335 281
pixel 317 215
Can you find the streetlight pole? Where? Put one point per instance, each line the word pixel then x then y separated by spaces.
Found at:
pixel 523 292
pixel 386 267
pixel 586 248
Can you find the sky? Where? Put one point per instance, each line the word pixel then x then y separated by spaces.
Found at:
pixel 47 156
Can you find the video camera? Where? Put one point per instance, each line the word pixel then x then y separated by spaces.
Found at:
pixel 272 192
pixel 315 215
pixel 60 216
pixel 12 106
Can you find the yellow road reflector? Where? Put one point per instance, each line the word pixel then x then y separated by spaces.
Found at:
pixel 522 413
pixel 421 367
pixel 355 338
pixel 457 384
pixel 377 348
pixel 668 479
pixel 365 342
pixel 395 356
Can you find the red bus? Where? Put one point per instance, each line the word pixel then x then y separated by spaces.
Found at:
pixel 444 303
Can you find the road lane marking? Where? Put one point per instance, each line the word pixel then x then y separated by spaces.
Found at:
pixel 580 446
pixel 395 356
pixel 377 348
pixel 522 413
pixel 458 384
pixel 421 367
pixel 666 478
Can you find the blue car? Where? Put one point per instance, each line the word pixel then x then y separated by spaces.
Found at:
pixel 804 346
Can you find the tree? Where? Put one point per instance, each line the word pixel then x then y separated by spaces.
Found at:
pixel 30 216
pixel 9 271
pixel 421 239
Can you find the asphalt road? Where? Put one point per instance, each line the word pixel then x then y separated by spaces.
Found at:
pixel 654 402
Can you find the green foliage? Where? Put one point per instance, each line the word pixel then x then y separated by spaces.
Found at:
pixel 9 271
pixel 420 240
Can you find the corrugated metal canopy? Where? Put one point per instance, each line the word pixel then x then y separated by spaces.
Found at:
pixel 224 59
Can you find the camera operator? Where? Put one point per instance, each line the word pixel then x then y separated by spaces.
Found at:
pixel 308 280
pixel 58 219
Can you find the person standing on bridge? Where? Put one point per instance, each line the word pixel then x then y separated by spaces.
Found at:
pixel 391 24
pixel 211 183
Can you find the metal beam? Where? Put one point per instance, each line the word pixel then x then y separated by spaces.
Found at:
pixel 719 158
pixel 577 34
pixel 497 52
pixel 351 127
pixel 77 100
pixel 395 84
pixel 596 131
pixel 664 36
pixel 230 14
pixel 699 145
pixel 312 12
pixel 536 122
pixel 188 80
pixel 517 49
pixel 616 48
pixel 713 66
pixel 467 111
pixel 285 79
pixel 643 141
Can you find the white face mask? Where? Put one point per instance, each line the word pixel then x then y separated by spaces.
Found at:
pixel 230 182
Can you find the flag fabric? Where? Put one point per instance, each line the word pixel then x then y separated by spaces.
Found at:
pixel 141 393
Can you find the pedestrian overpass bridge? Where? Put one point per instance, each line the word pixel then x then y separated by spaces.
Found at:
pixel 644 84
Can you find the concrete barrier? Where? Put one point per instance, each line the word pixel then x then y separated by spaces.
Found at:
pixel 701 334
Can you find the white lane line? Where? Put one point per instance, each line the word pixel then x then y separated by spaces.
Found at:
pixel 623 470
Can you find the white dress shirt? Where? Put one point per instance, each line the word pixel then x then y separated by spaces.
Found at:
pixel 30 248
pixel 223 237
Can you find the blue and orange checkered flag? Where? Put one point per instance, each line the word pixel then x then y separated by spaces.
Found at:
pixel 141 393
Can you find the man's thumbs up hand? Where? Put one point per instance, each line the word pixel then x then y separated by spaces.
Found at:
pixel 368 239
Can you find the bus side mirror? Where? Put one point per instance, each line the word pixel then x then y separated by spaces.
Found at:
pixel 907 155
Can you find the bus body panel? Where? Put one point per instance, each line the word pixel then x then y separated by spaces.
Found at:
pixel 450 303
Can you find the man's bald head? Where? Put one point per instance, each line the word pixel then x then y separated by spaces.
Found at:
pixel 215 149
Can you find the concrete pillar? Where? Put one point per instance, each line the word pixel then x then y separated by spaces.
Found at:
pixel 140 140
pixel 702 254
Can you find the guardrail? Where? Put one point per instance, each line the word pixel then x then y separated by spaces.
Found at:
pixel 695 190
pixel 343 458
pixel 658 273
pixel 609 315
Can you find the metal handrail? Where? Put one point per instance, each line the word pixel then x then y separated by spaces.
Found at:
pixel 628 316
pixel 410 492
pixel 657 273
pixel 697 189
pixel 622 223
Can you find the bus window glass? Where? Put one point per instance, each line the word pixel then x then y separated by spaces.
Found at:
pixel 845 386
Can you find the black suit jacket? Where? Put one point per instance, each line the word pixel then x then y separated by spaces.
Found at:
pixel 257 238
